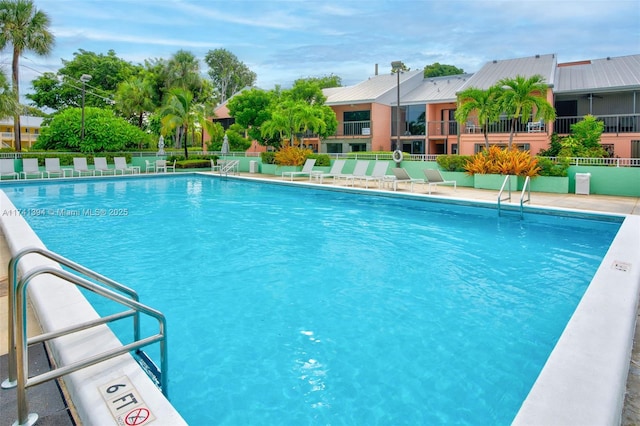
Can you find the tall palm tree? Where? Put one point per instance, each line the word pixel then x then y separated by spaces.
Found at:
pixel 523 98
pixel 24 27
pixel 483 103
pixel 176 115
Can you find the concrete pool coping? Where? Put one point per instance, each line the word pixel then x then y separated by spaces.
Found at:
pixel 583 381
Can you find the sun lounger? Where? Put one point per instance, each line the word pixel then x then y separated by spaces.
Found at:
pixel 30 168
pixel 359 171
pixel 401 175
pixel 434 178
pixel 100 165
pixel 80 167
pixel 8 168
pixel 336 171
pixel 306 169
pixel 379 174
pixel 122 167
pixel 52 167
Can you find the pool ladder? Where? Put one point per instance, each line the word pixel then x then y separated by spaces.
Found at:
pixel 229 166
pixel 526 189
pixel 103 286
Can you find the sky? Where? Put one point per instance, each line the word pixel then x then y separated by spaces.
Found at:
pixel 284 40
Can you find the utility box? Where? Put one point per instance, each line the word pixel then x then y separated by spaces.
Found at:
pixel 583 182
pixel 253 166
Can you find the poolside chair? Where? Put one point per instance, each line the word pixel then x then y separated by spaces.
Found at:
pixel 161 166
pixel 170 166
pixel 336 171
pixel 434 178
pixel 52 167
pixel 378 174
pixel 149 166
pixel 359 171
pixel 401 175
pixel 30 168
pixel 100 165
pixel 80 167
pixel 120 165
pixel 306 169
pixel 8 168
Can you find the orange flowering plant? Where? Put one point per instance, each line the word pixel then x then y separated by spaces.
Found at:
pixel 505 161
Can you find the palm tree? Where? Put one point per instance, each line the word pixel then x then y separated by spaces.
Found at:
pixel 26 28
pixel 484 103
pixel 176 114
pixel 523 98
pixel 134 97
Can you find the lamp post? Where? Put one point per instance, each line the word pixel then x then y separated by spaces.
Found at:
pixel 84 78
pixel 397 67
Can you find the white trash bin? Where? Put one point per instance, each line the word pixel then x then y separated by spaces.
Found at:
pixel 583 182
pixel 253 166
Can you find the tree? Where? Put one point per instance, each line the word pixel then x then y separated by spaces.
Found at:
pixel 251 109
pixel 103 132
pixel 483 103
pixel 134 98
pixel 584 140
pixel 524 98
pixel 24 27
pixel 176 115
pixel 228 73
pixel 64 89
pixel 439 70
pixel 324 82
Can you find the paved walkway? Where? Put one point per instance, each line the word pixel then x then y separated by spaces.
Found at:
pixel 594 203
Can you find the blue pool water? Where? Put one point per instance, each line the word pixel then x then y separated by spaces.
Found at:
pixel 296 306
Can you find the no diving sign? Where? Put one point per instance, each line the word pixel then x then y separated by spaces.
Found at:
pixel 125 403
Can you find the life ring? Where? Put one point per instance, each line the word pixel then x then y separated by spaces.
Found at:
pixel 398 156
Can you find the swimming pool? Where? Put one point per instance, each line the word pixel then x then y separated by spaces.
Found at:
pixel 331 307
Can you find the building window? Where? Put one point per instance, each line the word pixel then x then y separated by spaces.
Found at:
pixel 412 120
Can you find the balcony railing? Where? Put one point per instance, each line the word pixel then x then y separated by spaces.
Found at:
pixel 621 123
pixel 354 128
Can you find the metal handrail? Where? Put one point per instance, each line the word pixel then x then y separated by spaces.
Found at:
pixel 507 180
pixel 24 417
pixel 525 188
pixel 10 382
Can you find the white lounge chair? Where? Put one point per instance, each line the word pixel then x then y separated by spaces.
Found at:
pixel 359 171
pixel 30 168
pixel 434 178
pixel 378 174
pixel 100 165
pixel 80 167
pixel 52 167
pixel 306 169
pixel 401 175
pixel 336 171
pixel 8 168
pixel 120 165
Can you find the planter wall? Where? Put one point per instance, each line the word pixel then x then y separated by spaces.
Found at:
pixel 554 184
pixel 461 178
pixel 493 182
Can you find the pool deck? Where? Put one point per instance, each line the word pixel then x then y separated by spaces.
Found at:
pixel 589 203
